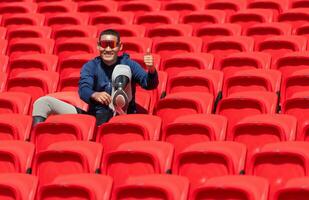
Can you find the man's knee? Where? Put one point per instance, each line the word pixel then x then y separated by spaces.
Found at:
pixel 44 100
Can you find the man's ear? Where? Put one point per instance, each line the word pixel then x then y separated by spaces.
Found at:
pixel 120 46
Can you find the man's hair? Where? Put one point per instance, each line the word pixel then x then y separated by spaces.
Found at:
pixel 110 32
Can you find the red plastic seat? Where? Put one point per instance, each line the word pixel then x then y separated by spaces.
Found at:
pixel 97 6
pixel 23 19
pixel 76 45
pixel 233 187
pixel 258 130
pixel 3 81
pixel 183 103
pixel 3 32
pixel 71 98
pixel 74 31
pixel 249 17
pixel 273 161
pixel 14 102
pixel 191 129
pixel 69 83
pixel 64 19
pixel 136 44
pixel 291 62
pixel 277 6
pixel 56 7
pixel 168 30
pixel 112 18
pixel 296 17
pixel 79 186
pixel 152 19
pixel 15 127
pixel 3 46
pixel 28 32
pixel 153 186
pixel 299 4
pixel 210 32
pixel 58 128
pixel 295 188
pixel 184 6
pixel 18 186
pixel 229 7
pixel 4 61
pixel 23 46
pixel 205 160
pixel 177 63
pixel 129 128
pixel 143 100
pixel 129 30
pixel 138 158
pixel 252 80
pixel 206 81
pixel 200 18
pixel 31 62
pixel 64 158
pixel 139 6
pixel 16 7
pixel 16 156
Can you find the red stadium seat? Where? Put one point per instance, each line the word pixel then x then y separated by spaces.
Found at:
pixel 15 127
pixel 23 19
pixel 3 81
pixel 14 102
pixel 74 31
pixel 31 62
pixel 295 188
pixel 199 18
pixel 296 17
pixel 138 6
pixel 138 158
pixel 64 19
pixel 16 7
pixel 76 45
pixel 4 61
pixel 16 156
pixel 274 160
pixel 229 7
pixel 152 19
pixel 233 187
pixel 69 83
pixel 97 6
pixel 252 80
pixel 64 158
pixel 192 129
pixel 18 186
pixel 277 6
pixel 177 63
pixel 56 7
pixel 299 4
pixel 3 46
pixel 71 98
pixel 112 18
pixel 291 62
pixel 58 128
pixel 184 6
pixel 205 160
pixel 136 44
pixel 28 32
pixel 20 46
pixel 79 186
pixel 3 31
pixel 128 30
pixel 153 186
pixel 168 30
pixel 143 100
pixel 302 30
pixel 129 128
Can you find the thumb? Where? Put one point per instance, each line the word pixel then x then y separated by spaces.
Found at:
pixel 148 51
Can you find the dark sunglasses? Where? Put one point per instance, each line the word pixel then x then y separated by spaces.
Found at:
pixel 108 43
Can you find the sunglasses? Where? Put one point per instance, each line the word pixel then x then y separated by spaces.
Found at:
pixel 108 43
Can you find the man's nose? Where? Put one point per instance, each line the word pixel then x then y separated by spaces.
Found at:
pixel 108 48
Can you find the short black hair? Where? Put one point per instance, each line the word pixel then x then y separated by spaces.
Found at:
pixel 110 32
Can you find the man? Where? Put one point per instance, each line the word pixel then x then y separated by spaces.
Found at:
pixel 96 84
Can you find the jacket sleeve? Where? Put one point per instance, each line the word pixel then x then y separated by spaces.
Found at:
pixel 86 81
pixel 146 80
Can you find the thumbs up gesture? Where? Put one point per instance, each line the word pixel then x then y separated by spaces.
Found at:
pixel 148 60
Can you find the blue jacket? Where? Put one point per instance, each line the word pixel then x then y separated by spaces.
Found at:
pixel 95 76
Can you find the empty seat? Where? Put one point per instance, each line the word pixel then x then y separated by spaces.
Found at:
pixel 199 18
pixel 23 19
pixel 70 97
pixel 81 186
pixel 175 45
pixel 229 7
pixel 252 80
pixel 97 6
pixel 14 102
pixel 138 158
pixel 136 44
pixel 3 81
pixel 56 7
pixel 4 60
pixel 154 186
pixel 130 128
pixel 129 30
pixel 15 127
pixel 205 160
pixel 143 100
pixel 18 186
pixel 295 188
pixel 206 81
pixel 31 62
pixel 76 45
pixel 59 128
pixel 152 19
pixel 138 6
pixel 258 130
pixel 181 62
pixel 277 6
pixel 184 6
pixel 63 158
pixel 233 187
pixel 273 161
pixel 296 17
pixel 299 4
pixel 69 83
pixel 16 156
pixel 74 31
pixel 30 46
pixel 191 129
pixel 3 46
pixel 291 62
pixel 16 7
pixel 28 32
pixel 209 32
pixel 63 19
pixel 111 18
pixel 3 31
pixel 168 30
pixel 183 103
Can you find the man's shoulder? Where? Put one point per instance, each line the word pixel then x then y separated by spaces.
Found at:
pixel 92 63
pixel 125 59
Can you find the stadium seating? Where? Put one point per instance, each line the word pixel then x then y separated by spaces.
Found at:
pixel 111 18
pixel 15 127
pixel 295 188
pixel 56 7
pixel 15 102
pixel 152 19
pixel 97 6
pixel 204 17
pixel 23 19
pixel 74 31
pixel 28 31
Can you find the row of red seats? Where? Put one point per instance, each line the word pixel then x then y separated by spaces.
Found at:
pixel 198 162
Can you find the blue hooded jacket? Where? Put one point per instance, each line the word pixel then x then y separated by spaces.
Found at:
pixel 95 76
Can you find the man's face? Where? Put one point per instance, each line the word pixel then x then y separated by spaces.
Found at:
pixel 109 47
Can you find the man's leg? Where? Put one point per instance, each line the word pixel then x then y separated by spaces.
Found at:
pixel 46 105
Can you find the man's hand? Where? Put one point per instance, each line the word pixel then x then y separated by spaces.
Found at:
pixel 102 97
pixel 148 60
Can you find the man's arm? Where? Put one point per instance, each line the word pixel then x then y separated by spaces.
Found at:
pixel 86 81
